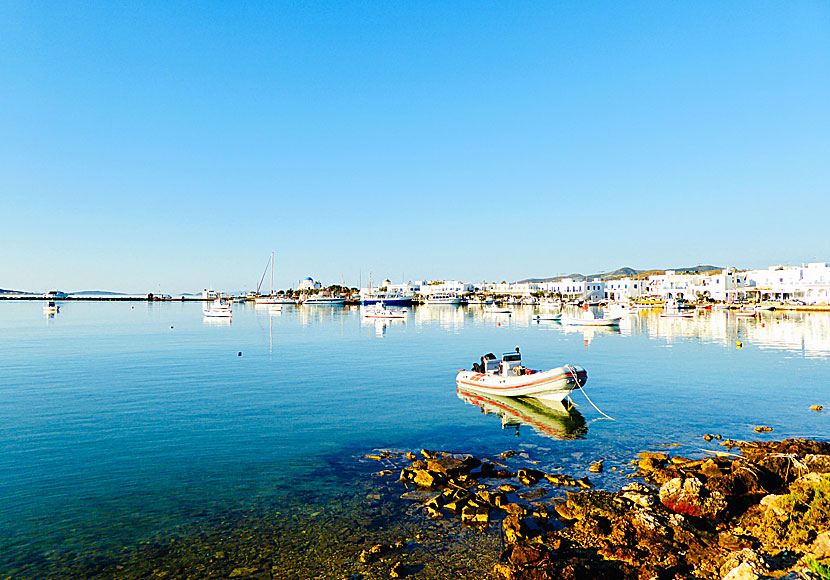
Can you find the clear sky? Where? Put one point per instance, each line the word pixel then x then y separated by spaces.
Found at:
pixel 176 144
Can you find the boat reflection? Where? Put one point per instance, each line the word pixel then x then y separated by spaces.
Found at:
pixel 551 419
pixel 382 324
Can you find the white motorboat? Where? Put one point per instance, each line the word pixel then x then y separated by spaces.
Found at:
pixel 590 319
pixel 315 300
pixel 218 309
pixel 51 308
pixel 671 310
pixel 444 298
pixel 508 378
pixel 380 311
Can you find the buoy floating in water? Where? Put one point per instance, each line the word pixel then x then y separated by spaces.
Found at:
pixel 239 353
pixel 739 344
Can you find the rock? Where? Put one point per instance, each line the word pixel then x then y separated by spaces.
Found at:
pixel 688 496
pixel 429 479
pixel 640 495
pixel 776 507
pixel 755 561
pixel 411 456
pixel 744 571
pixel 817 463
pixel 507 488
pixel 373 457
pixel 371 554
pixel 584 483
pixel 397 571
pixel 820 548
pixel 507 454
pixel 428 454
pixel 515 530
pixel 516 509
pixel 494 499
pixel 707 437
pixel 536 493
pixel 529 477
pixel 596 467
pixel 653 455
pixel 475 515
pixel 763 429
pixel 449 466
pixel 524 555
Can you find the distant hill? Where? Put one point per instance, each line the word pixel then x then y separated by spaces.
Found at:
pixel 625 272
pixel 96 293
pixel 2 291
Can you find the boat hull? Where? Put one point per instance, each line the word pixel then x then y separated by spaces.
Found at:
pixel 387 301
pixel 550 385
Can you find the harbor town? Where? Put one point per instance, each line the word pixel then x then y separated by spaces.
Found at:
pixel 786 287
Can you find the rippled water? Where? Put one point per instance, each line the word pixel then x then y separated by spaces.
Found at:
pixel 122 421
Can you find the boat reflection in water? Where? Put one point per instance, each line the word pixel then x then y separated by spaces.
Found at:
pixel 557 420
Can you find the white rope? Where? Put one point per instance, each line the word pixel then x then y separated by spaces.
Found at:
pixel 582 388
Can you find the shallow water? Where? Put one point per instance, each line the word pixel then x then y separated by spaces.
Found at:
pixel 122 423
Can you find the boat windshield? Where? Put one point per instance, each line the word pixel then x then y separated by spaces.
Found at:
pixel 512 357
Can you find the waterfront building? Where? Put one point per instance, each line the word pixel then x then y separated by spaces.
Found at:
pixel 309 284
pixel 445 287
pixel 624 289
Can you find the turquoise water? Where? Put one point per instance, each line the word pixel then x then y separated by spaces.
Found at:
pixel 122 421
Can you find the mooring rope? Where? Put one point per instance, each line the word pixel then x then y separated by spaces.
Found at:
pixel 582 388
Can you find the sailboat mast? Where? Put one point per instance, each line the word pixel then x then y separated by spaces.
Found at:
pixel 272 273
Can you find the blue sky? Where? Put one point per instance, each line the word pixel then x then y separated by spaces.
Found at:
pixel 176 145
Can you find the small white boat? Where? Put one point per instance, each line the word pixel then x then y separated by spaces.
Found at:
pixel 672 310
pixel 444 298
pixel 508 378
pixel 265 300
pixel 540 317
pixel 746 313
pixel 380 311
pixel 218 309
pixel 590 319
pixel 51 308
pixel 493 309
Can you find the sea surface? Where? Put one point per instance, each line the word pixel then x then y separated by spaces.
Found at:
pixel 126 421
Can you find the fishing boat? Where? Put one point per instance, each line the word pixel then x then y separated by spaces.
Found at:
pixel 444 298
pixel 671 309
pixel 507 377
pixel 218 309
pixel 555 419
pixel 590 319
pixel 51 308
pixel 380 311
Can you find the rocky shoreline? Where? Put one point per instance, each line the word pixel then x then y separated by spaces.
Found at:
pixel 755 510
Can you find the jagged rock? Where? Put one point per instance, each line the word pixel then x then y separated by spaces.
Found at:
pixel 475 514
pixel 817 463
pixel 507 454
pixel 371 554
pixel 507 488
pixel 429 479
pixel 756 562
pixel 494 499
pixel 397 570
pixel 744 571
pixel 640 495
pixel 688 496
pixel 656 456
pixel 449 466
pixel 596 467
pixel 529 477
pixel 515 529
pixel 524 555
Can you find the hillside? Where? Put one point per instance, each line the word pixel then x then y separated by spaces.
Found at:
pixel 625 272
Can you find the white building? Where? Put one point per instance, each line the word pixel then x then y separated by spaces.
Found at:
pixel 445 287
pixel 309 284
pixel 809 283
pixel 624 289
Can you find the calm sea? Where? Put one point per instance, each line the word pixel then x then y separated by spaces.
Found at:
pixel 123 421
